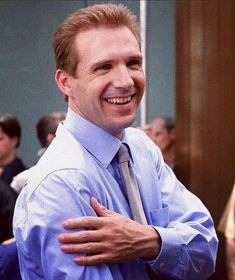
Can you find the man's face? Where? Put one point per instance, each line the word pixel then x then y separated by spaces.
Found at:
pixel 7 147
pixel 109 81
pixel 160 135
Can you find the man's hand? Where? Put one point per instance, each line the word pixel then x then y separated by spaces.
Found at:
pixel 108 238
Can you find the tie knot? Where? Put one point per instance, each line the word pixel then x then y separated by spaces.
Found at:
pixel 123 154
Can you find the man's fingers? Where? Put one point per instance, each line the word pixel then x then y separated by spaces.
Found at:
pixel 86 248
pixel 80 237
pixel 88 222
pixel 91 260
pixel 100 210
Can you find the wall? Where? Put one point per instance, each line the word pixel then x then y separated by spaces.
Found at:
pixel 160 58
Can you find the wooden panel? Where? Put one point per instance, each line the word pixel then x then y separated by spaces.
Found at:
pixel 198 97
pixel 211 51
pixel 226 99
pixel 182 87
pixel 205 99
pixel 205 104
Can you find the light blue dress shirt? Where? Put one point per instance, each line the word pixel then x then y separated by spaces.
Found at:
pixel 79 164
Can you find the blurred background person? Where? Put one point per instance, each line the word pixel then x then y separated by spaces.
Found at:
pixel 162 131
pixel 46 128
pixel 10 133
pixel 10 166
pixel 7 203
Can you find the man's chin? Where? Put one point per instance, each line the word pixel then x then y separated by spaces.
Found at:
pixel 127 120
pixel 125 123
pixel 119 127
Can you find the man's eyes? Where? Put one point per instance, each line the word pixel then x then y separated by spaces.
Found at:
pixel 134 63
pixel 106 66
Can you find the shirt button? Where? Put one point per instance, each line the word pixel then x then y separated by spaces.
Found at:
pixel 161 265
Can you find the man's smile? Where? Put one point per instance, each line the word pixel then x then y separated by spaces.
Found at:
pixel 119 100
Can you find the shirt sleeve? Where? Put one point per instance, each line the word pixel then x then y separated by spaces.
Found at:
pixel 53 201
pixel 189 241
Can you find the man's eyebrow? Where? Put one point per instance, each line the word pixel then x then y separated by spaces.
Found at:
pixel 138 56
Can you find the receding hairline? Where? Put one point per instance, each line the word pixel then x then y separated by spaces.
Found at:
pixel 100 28
pixel 97 15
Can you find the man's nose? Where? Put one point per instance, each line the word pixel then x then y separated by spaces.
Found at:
pixel 123 78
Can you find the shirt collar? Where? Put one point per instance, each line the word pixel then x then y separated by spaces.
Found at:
pixel 101 144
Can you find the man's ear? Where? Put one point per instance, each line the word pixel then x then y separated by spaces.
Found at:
pixel 63 81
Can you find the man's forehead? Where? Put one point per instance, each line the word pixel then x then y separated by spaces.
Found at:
pixel 101 32
pixel 91 45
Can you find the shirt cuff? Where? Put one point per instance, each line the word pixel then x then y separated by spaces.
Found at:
pixel 168 257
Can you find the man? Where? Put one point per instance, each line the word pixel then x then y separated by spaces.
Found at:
pixel 10 133
pixel 99 70
pixel 162 131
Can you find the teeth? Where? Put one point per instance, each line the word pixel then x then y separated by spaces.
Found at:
pixel 119 100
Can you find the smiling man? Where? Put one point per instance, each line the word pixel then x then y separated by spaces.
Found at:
pixel 77 180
